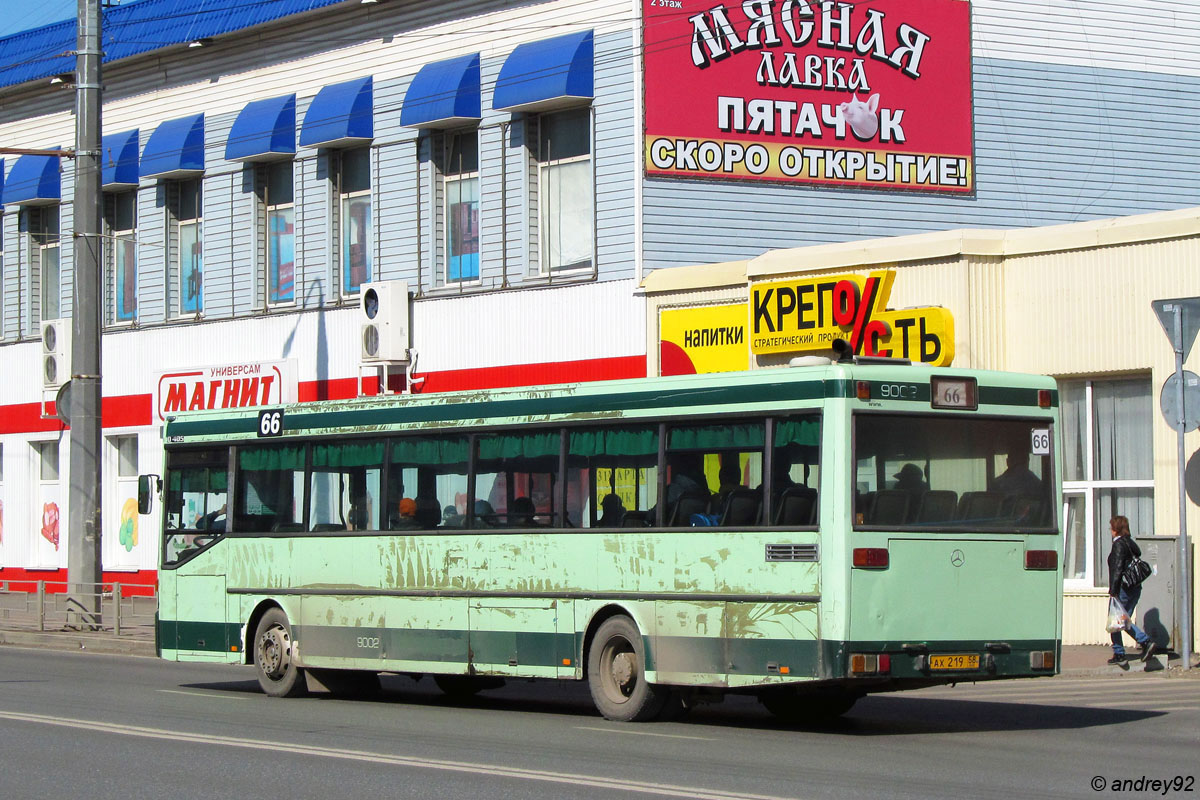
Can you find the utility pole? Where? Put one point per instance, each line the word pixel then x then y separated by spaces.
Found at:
pixel 84 528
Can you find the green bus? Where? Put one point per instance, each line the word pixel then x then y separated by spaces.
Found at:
pixel 806 535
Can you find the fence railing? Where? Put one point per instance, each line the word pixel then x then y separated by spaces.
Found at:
pixel 123 609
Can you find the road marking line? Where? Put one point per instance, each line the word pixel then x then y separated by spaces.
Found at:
pixel 1123 706
pixel 495 770
pixel 644 733
pixel 203 694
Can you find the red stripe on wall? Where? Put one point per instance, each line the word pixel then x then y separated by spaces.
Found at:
pixel 600 369
pixel 142 583
pixel 137 410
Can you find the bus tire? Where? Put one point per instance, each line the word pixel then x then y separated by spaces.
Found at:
pixel 808 707
pixel 617 675
pixel 278 674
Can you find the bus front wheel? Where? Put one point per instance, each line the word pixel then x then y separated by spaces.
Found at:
pixel 278 674
pixel 617 677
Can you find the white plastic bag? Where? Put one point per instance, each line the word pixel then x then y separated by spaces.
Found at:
pixel 1118 618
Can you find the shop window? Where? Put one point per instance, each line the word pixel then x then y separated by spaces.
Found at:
pixel 120 257
pixel 460 206
pixel 186 262
pixel 565 194
pixel 44 252
pixel 278 233
pixel 49 523
pixel 354 217
pixel 1108 464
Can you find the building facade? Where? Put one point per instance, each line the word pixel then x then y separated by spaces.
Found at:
pixel 521 168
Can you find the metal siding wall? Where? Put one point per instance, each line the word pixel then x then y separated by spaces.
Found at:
pixel 151 253
pixel 1054 144
pixel 218 245
pixel 615 160
pixel 314 256
pixel 396 217
pixel 248 250
pixel 594 320
pixel 66 242
pixel 14 265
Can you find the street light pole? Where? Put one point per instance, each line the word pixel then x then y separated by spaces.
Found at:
pixel 84 505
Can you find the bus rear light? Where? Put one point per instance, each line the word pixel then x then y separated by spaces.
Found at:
pixel 870 663
pixel 862 389
pixel 1043 398
pixel 1041 559
pixel 870 558
pixel 1041 659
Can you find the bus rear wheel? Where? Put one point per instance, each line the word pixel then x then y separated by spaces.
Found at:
pixel 808 708
pixel 617 677
pixel 278 674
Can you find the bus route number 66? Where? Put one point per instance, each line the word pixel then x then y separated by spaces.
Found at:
pixel 270 422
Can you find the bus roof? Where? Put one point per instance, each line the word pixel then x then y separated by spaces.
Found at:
pixel 644 399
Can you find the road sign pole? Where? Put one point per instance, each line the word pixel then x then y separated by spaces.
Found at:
pixel 1185 602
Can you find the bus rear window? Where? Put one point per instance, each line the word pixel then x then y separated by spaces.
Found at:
pixel 954 473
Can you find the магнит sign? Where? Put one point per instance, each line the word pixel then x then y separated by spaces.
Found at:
pixel 871 95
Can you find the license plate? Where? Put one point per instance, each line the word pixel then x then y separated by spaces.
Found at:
pixel 957 661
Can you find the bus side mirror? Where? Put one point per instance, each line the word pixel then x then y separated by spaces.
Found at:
pixel 147 486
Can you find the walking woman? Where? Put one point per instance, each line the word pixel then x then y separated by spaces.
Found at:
pixel 1124 549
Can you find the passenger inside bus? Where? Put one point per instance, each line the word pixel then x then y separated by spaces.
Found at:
pixel 612 512
pixel 406 515
pixel 522 513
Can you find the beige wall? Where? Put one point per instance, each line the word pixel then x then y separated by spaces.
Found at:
pixel 1064 300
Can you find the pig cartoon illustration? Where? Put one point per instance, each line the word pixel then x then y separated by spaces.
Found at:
pixel 861 116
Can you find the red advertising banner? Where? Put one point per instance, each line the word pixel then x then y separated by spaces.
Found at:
pixel 871 94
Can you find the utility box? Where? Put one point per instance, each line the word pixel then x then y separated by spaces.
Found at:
pixel 1155 613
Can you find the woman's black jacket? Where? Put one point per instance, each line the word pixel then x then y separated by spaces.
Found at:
pixel 1124 548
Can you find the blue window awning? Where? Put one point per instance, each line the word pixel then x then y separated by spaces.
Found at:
pixel 547 74
pixel 34 180
pixel 264 130
pixel 175 149
pixel 444 94
pixel 341 114
pixel 119 160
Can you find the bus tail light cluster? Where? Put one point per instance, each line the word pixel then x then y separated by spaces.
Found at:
pixel 870 558
pixel 870 663
pixel 1041 559
pixel 1041 659
pixel 1043 398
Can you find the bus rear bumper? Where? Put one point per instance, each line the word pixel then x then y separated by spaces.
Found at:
pixel 941 661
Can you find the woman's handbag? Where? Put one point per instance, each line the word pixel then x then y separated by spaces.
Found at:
pixel 1135 574
pixel 1117 616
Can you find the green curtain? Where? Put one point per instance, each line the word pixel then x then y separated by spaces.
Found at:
pixel 430 450
pixel 354 454
pixel 271 458
pixel 533 445
pixel 742 436
pixel 615 442
pixel 798 430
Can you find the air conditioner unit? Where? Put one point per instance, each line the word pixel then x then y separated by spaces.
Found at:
pixel 383 328
pixel 56 352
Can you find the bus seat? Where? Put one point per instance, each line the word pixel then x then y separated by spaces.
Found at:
pixel 287 527
pixel 741 507
pixel 322 527
pixel 937 505
pixel 797 505
pixel 1022 508
pixel 633 519
pixel 688 503
pixel 890 507
pixel 979 506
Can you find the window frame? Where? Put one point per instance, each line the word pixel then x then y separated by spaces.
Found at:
pixel 114 241
pixel 42 242
pixel 178 225
pixel 447 178
pixel 343 201
pixel 266 236
pixel 544 166
pixel 1089 488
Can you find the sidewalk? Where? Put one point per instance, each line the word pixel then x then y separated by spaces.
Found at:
pixel 1077 660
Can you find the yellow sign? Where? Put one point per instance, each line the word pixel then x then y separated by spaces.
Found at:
pixel 809 313
pixel 703 339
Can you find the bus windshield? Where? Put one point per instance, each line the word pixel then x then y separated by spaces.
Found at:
pixel 952 473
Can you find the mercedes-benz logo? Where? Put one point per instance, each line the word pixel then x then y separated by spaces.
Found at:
pixel 957 558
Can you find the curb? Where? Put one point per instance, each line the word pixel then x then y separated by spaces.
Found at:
pixel 78 642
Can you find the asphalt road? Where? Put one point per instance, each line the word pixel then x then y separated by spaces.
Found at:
pixel 74 725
